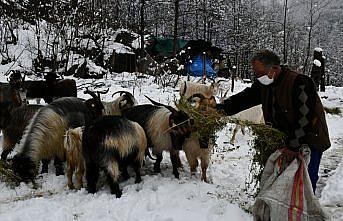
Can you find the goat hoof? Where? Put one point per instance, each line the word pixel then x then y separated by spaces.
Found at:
pixel 91 190
pixel 138 180
pixel 118 194
pixel 157 170
pixel 59 171
pixel 44 170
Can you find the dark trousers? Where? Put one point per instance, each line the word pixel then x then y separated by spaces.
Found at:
pixel 313 167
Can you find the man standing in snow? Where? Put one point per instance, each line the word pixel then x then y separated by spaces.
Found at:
pixel 290 104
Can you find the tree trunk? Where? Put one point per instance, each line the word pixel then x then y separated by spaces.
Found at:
pixel 176 17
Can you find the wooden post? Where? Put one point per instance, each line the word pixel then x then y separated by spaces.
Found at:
pixel 203 67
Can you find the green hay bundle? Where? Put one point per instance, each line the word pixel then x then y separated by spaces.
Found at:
pixel 207 120
pixel 7 175
pixel 267 140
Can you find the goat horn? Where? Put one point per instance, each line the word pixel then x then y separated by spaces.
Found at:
pixel 227 91
pixel 221 80
pixel 196 95
pixel 103 92
pixel 213 81
pixel 122 92
pixel 163 105
pixel 92 93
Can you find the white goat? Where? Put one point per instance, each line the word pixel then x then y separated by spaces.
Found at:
pixel 115 107
pixel 188 88
pixel 253 115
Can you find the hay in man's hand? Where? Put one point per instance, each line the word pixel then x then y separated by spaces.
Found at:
pixel 207 120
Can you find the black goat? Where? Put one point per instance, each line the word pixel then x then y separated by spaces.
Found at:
pixel 48 89
pixel 112 143
pixel 15 125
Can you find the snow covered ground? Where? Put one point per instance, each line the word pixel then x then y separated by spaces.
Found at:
pixel 162 197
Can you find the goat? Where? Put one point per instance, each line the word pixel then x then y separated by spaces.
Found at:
pixel 188 88
pixel 253 115
pixel 18 119
pixel 43 137
pixel 166 129
pixel 10 98
pixel 112 142
pixel 73 148
pixel 124 101
pixel 194 149
pixel 49 89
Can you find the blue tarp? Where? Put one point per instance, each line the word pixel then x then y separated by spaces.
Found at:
pixel 195 67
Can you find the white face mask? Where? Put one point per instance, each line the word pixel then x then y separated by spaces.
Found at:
pixel 265 80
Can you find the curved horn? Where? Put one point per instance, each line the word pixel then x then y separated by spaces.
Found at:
pixel 92 93
pixel 196 95
pixel 227 91
pixel 221 80
pixel 163 105
pixel 213 81
pixel 185 89
pixel 121 92
pixel 103 92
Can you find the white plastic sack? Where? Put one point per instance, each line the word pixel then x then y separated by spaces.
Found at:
pixel 286 192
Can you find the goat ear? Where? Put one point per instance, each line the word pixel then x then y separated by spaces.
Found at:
pixel 171 121
pixel 122 103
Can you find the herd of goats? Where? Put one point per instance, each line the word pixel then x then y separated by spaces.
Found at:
pixel 93 135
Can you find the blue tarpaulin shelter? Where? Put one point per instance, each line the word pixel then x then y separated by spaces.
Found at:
pixel 195 67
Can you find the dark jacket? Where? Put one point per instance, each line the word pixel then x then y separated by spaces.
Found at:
pixel 290 104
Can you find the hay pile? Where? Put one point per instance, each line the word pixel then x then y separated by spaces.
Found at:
pixel 266 141
pixel 7 175
pixel 207 120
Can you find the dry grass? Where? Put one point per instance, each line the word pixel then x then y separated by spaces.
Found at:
pixel 7 175
pixel 207 120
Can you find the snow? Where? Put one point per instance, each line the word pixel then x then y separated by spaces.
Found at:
pixel 317 63
pixel 162 197
pixel 159 197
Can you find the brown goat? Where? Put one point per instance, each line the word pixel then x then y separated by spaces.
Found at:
pixel 75 162
pixel 192 147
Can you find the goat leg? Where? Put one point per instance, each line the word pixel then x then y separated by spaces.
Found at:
pixel 79 176
pixel 45 166
pixel 173 157
pixel 4 154
pixel 137 168
pixel 92 176
pixel 58 166
pixel 70 171
pixel 114 186
pixel 157 164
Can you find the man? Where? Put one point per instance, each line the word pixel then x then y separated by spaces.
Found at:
pixel 290 104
